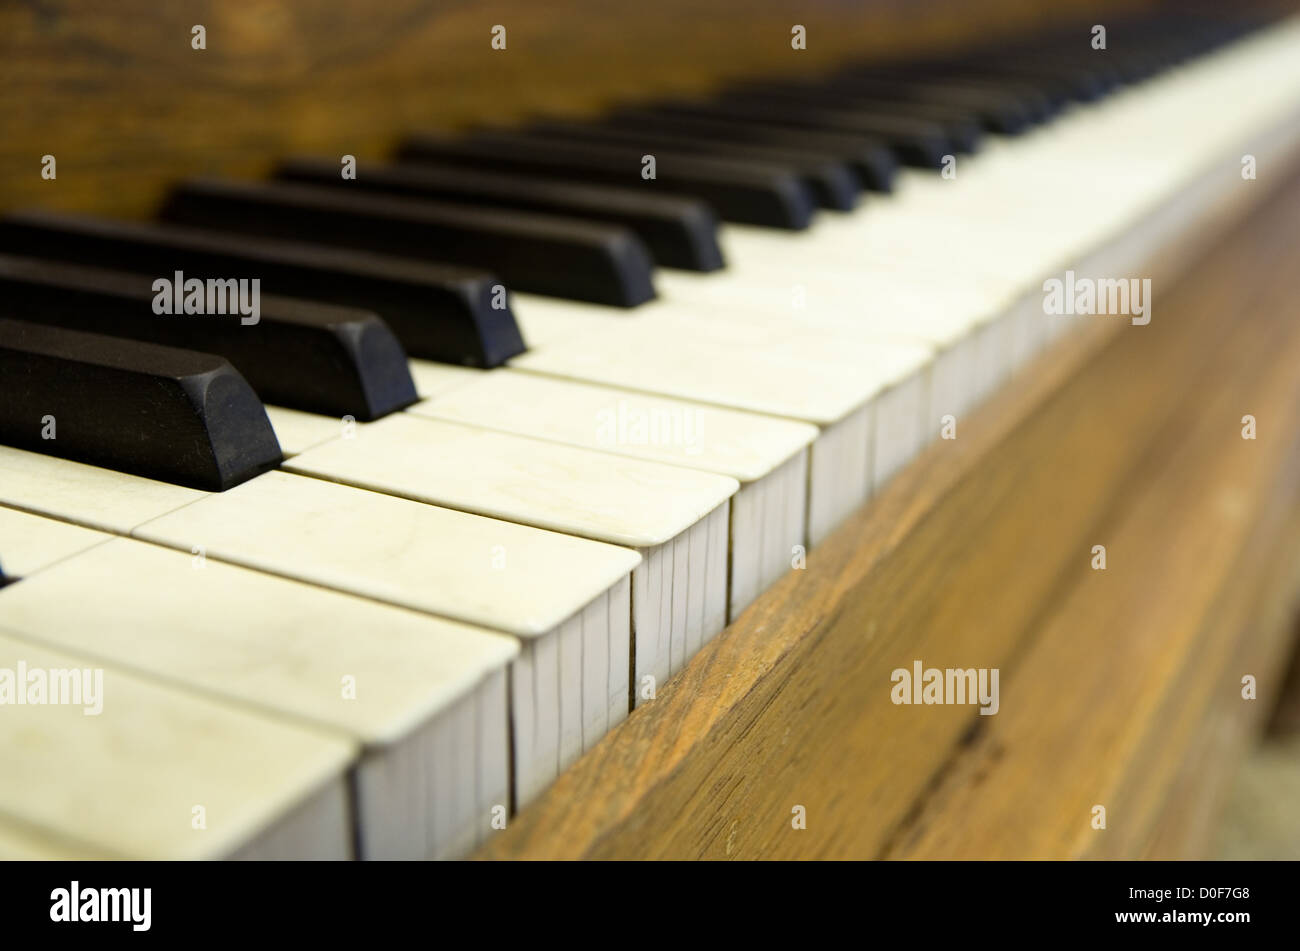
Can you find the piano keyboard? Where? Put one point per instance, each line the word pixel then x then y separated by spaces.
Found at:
pixel 518 427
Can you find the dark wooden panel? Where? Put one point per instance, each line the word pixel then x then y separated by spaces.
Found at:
pixel 115 92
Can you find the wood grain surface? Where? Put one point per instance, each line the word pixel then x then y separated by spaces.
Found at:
pixel 116 93
pixel 1118 686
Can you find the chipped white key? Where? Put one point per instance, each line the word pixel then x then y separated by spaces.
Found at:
pixel 159 772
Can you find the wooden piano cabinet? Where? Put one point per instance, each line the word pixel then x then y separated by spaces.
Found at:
pixel 1120 688
pixel 119 96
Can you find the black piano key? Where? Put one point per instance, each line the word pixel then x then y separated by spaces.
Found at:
pixel 832 181
pixel 680 232
pixel 963 127
pixel 1080 82
pixel 916 141
pixel 175 415
pixel 5 579
pixel 301 354
pixel 448 314
pixel 1001 113
pixel 1038 104
pixel 561 257
pixel 871 158
pixel 757 193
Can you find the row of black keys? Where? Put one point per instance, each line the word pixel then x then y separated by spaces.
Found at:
pixel 556 208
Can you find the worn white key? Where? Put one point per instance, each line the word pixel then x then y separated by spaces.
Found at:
pixel 298 431
pixel 20 842
pixel 381 675
pixel 958 263
pixel 29 542
pixel 513 578
pixel 436 379
pixel 530 583
pixel 631 502
pixel 87 495
pixel 764 454
pixel 812 374
pixel 159 772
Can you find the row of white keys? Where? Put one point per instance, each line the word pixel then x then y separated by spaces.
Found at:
pixel 677 518
pixel 767 456
pixel 956 265
pixel 809 374
pixel 1025 212
pixel 544 588
pixel 682 587
pixel 560 673
pixel 565 599
pixel 159 771
pixel 423 698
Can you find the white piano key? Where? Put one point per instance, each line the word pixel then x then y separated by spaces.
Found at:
pixel 485 571
pixel 591 494
pixel 569 646
pixel 530 583
pixel 521 580
pixel 87 495
pixel 437 379
pixel 539 762
pixel 800 372
pixel 839 475
pixel 29 542
pixel 298 431
pixel 24 843
pixel 904 425
pixel 492 784
pixel 848 309
pixel 126 783
pixel 632 502
pixel 750 448
pixel 619 602
pixel 284 648
pixel 813 374
pixel 595 672
pixel 745 446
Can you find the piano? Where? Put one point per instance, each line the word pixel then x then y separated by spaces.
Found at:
pixel 859 451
